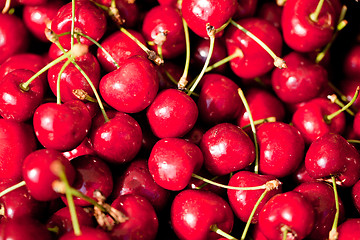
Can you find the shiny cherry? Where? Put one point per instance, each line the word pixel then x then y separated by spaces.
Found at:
pixel 349 230
pixel 355 195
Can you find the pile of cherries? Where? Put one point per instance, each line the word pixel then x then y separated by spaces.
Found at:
pixel 190 119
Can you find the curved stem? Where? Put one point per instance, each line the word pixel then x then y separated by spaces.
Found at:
pixel 12 188
pixel 333 98
pixel 284 233
pixel 58 96
pixel 354 141
pixel 215 228
pixel 183 80
pixel 260 121
pixel 224 60
pixel 315 15
pixel 6 7
pixel 242 96
pixel 333 231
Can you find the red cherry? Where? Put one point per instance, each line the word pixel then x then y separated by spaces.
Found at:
pixel 172 162
pixel 39 177
pixel 355 194
pixel 15 103
pixel 142 220
pixel 347 87
pixel 165 20
pixel 301 81
pixel 242 202
pixel 118 140
pixel 17 140
pixel 271 12
pixel 290 211
pixel 12 42
pixel 222 144
pixel 85 148
pixel 193 212
pixel 198 14
pixel 90 20
pixel 254 60
pixel 87 233
pixel 245 9
pixel 303 34
pixel 172 114
pixel 281 148
pixel 331 155
pixel 120 47
pixel 72 79
pixel 61 126
pixel 133 92
pixel 219 100
pixel 31 2
pixel 352 62
pixel 349 230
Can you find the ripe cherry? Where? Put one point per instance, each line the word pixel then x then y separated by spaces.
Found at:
pixel 349 230
pixel 355 194
pixel 87 233
pixel 352 62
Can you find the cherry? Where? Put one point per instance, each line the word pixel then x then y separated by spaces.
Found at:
pixel 165 22
pixel 172 162
pixel 198 14
pixel 142 220
pixel 281 148
pixel 349 229
pixel 85 148
pixel 133 92
pixel 271 12
pixel 355 194
pixel 172 114
pixel 61 126
pixel 120 47
pixel 263 104
pixel 356 125
pixel 17 140
pixel 92 174
pixel 36 17
pixel 311 119
pixel 305 32
pixel 87 233
pixel 89 20
pixel 222 144
pixel 301 175
pixel 253 60
pixel 352 62
pixel 12 42
pixel 72 79
pixel 347 87
pixel 289 214
pixel 31 2
pixel 136 179
pixel 242 202
pixel 17 103
pixel 219 100
pixel 117 140
pixel 245 9
pixel 195 212
pixel 301 81
pixel 38 174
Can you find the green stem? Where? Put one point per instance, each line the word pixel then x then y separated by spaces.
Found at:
pixel 252 214
pixel 215 228
pixel 315 15
pixel 284 233
pixel 205 183
pixel 243 98
pixel 159 51
pixel 333 231
pixel 183 80
pixel 354 141
pixel 12 188
pixel 58 96
pixel 338 92
pixel 333 98
pixel 260 121
pixel 224 60
pixel 79 194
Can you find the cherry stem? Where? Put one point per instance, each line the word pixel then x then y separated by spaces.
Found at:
pixel 338 92
pixel 341 24
pixel 328 118
pixel 58 96
pixel 205 183
pixel 315 15
pixel 6 7
pixel 278 62
pixel 211 34
pixel 215 228
pixel 237 53
pixel 354 141
pixel 333 98
pixel 284 233
pixel 333 232
pixel 243 99
pixel 183 80
pixel 260 121
pixel 247 226
pixel 12 188
pixel 72 22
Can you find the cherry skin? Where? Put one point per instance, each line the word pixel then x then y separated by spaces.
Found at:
pixel 193 212
pixel 85 148
pixel 301 81
pixel 281 148
pixel 245 9
pixel 172 162
pixel 39 177
pixel 172 114
pixel 92 173
pixel 142 220
pixel 355 194
pixel 254 60
pixel 87 233
pixel 331 155
pixel 271 12
pixel 352 62
pixel 199 13
pixel 222 144
pixel 356 125
pixel 72 79
pixel 303 34
pixel 349 229
pixel 243 201
pixel 309 119
pixel 219 100
pixel 90 20
pixel 118 140
pixel 136 179
pixel 15 103
pixel 120 47
pixel 347 87
pixel 165 20
pixel 61 126
pixel 132 87
pixel 17 140
pixel 290 210
pixel 12 42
